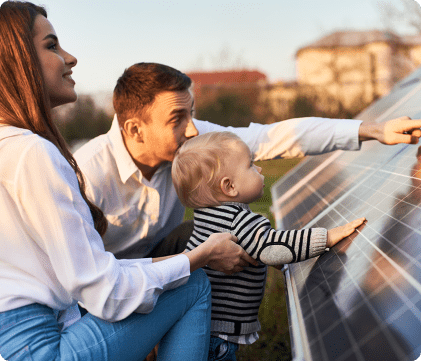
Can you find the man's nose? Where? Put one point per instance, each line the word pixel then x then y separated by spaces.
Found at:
pixel 191 130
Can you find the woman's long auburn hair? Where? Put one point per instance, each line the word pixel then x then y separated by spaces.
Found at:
pixel 23 97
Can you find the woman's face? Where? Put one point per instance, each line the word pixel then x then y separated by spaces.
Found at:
pixel 56 64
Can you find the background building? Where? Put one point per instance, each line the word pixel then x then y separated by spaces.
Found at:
pixel 357 67
pixel 208 83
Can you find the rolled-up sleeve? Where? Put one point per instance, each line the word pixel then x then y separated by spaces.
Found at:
pixel 60 224
pixel 294 137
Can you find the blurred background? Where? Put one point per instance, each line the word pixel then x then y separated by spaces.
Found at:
pixel 260 61
pixel 250 61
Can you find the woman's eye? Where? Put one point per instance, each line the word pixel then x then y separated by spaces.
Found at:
pixel 52 46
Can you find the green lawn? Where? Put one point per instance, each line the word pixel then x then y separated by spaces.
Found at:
pixel 274 342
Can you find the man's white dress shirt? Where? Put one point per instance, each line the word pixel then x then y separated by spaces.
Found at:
pixel 50 252
pixel 141 212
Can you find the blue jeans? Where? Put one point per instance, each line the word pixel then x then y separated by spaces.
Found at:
pixel 221 350
pixel 180 323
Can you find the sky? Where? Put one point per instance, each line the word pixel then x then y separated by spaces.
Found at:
pixel 108 36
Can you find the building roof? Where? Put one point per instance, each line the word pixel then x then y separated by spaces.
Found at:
pixel 412 39
pixel 355 38
pixel 227 77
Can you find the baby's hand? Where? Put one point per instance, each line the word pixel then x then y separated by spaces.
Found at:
pixel 334 235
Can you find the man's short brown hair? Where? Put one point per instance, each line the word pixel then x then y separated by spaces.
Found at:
pixel 137 88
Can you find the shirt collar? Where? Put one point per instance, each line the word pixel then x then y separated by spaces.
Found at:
pixel 126 166
pixel 242 205
pixel 7 131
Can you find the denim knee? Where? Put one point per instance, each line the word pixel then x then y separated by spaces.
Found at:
pixel 201 281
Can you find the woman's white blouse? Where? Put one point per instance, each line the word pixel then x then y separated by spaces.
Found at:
pixel 50 252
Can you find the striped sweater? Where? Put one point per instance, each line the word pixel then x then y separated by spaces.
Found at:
pixel 236 298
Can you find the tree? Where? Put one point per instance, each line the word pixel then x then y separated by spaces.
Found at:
pixel 82 120
pixel 230 106
pixel 305 105
pixel 409 15
pixel 227 109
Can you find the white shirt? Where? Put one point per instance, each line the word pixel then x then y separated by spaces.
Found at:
pixel 142 212
pixel 50 251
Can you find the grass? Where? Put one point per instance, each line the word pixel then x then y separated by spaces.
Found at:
pixel 274 341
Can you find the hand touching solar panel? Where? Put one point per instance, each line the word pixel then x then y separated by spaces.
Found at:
pixel 337 234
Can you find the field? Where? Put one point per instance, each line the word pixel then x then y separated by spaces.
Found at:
pixel 274 343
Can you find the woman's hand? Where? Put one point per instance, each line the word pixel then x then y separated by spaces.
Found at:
pixel 395 131
pixel 334 235
pixel 221 253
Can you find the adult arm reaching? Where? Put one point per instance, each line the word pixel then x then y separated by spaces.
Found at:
pixel 312 136
pixel 394 131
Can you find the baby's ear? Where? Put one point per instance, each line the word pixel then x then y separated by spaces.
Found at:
pixel 228 188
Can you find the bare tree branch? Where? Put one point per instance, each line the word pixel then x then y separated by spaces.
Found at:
pixel 409 14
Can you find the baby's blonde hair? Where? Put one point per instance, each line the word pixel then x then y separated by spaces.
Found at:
pixel 198 168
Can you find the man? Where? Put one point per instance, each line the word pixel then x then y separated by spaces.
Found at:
pixel 128 170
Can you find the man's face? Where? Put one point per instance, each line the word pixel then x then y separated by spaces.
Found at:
pixel 168 126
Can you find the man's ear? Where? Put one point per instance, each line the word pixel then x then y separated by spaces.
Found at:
pixel 228 188
pixel 133 129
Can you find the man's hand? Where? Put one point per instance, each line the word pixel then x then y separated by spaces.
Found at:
pixel 395 131
pixel 334 235
pixel 221 253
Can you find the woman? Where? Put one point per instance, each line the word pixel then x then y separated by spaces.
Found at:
pixel 52 255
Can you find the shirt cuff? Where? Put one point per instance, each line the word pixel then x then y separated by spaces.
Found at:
pixel 318 241
pixel 174 271
pixel 144 261
pixel 347 135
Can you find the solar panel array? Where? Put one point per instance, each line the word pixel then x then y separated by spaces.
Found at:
pixel 362 299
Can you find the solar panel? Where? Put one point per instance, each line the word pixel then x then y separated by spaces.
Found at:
pixel 362 299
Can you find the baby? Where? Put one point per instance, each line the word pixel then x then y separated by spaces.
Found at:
pixel 214 174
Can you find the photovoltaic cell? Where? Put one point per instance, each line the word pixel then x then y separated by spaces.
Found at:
pixel 362 299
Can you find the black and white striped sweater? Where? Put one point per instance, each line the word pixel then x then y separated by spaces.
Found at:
pixel 236 298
